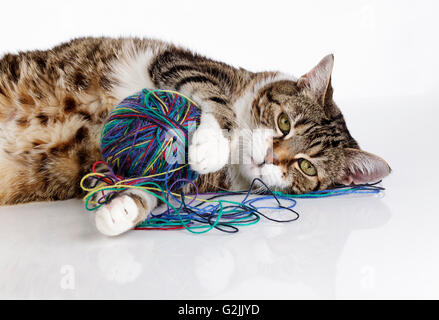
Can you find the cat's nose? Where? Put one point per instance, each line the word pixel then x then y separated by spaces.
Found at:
pixel 270 157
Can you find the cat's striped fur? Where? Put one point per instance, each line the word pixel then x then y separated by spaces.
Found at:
pixel 53 104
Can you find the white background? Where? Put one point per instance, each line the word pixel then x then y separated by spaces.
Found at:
pixel 382 48
pixel 386 83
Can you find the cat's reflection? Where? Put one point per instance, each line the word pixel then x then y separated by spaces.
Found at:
pixel 118 265
pixel 303 254
pixel 268 260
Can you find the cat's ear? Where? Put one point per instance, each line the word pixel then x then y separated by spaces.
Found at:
pixel 317 82
pixel 362 167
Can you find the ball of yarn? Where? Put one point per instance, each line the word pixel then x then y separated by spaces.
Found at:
pixel 147 135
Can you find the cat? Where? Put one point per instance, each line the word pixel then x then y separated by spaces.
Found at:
pixel 53 104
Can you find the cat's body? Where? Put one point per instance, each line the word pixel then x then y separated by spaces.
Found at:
pixel 53 105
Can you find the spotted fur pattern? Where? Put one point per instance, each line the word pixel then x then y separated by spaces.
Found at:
pixel 53 104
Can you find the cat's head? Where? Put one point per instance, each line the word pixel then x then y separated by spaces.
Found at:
pixel 300 142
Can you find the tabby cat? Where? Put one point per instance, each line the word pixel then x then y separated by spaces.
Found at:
pixel 285 130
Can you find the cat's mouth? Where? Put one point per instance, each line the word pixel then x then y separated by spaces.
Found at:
pixel 269 173
pixel 253 169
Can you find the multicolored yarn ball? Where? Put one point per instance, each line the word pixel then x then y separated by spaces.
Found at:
pixel 147 135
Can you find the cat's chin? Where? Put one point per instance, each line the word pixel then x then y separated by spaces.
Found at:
pixel 270 174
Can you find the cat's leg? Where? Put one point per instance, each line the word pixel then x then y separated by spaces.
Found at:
pixel 209 148
pixel 124 212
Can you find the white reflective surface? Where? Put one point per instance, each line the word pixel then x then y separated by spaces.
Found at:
pixel 346 247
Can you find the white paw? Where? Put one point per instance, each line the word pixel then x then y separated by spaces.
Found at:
pixel 117 217
pixel 209 149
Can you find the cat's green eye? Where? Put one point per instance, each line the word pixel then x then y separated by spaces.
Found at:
pixel 307 167
pixel 284 123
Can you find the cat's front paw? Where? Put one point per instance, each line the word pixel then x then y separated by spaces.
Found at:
pixel 118 216
pixel 209 149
